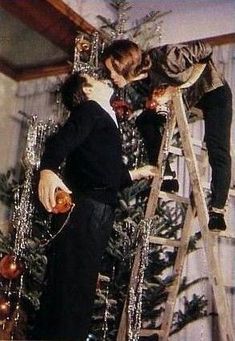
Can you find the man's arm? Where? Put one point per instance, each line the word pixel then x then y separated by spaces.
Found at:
pixel 74 132
pixel 57 148
pixel 145 172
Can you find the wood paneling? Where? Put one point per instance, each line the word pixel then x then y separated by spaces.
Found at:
pixel 33 73
pixel 46 71
pixel 221 40
pixel 7 69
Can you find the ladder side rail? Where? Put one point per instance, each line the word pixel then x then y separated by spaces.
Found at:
pixel 157 180
pixel 178 270
pixel 123 326
pixel 180 260
pixel 214 271
pixel 150 212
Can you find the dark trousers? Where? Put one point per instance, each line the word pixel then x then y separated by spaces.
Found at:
pixel 151 126
pixel 217 110
pixel 74 263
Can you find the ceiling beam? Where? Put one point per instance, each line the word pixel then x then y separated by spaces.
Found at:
pixel 73 16
pixel 221 40
pixel 45 71
pixel 53 19
pixel 7 69
pixel 34 72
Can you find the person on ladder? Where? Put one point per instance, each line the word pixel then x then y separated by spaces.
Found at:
pixel 170 66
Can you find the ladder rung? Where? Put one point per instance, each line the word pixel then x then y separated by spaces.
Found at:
pixel 175 150
pixel 174 197
pixel 149 332
pixel 164 241
pixel 179 151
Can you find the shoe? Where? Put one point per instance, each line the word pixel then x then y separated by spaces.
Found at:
pixel 170 185
pixel 216 222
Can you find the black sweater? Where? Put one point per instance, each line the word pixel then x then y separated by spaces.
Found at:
pixel 90 144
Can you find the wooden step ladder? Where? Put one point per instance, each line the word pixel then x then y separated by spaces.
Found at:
pixel 196 207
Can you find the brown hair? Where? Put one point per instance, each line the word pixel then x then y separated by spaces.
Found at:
pixel 129 55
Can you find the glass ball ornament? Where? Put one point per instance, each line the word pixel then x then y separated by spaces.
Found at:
pixel 121 108
pixel 5 307
pixel 63 202
pixel 82 44
pixel 11 267
pixel 150 104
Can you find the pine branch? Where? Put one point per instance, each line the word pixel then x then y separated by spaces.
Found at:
pixel 193 310
pixel 8 185
pixel 149 18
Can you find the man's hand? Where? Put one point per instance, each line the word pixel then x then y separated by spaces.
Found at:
pixel 48 184
pixel 146 172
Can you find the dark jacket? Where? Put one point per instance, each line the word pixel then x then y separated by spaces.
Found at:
pixel 173 65
pixel 90 143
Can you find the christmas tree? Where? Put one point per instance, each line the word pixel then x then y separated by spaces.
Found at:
pixel 128 229
pixel 20 295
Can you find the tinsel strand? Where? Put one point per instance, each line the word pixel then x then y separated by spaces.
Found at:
pixel 23 210
pixel 136 293
pixel 168 115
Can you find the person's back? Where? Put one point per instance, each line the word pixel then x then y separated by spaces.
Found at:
pixel 172 65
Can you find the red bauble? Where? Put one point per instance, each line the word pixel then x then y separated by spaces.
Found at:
pixel 63 202
pixel 5 307
pixel 150 104
pixel 11 267
pixel 121 108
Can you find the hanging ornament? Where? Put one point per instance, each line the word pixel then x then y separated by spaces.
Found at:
pixel 63 202
pixel 134 308
pixel 11 267
pixel 121 108
pixel 150 104
pixel 5 307
pixel 82 44
pixel 86 54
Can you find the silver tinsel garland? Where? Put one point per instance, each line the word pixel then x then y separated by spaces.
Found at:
pixel 24 205
pixel 136 288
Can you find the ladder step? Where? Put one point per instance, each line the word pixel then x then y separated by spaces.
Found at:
pixel 179 151
pixel 149 332
pixel 164 241
pixel 176 150
pixel 174 197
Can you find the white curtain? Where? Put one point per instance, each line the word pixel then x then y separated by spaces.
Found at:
pixel 38 97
